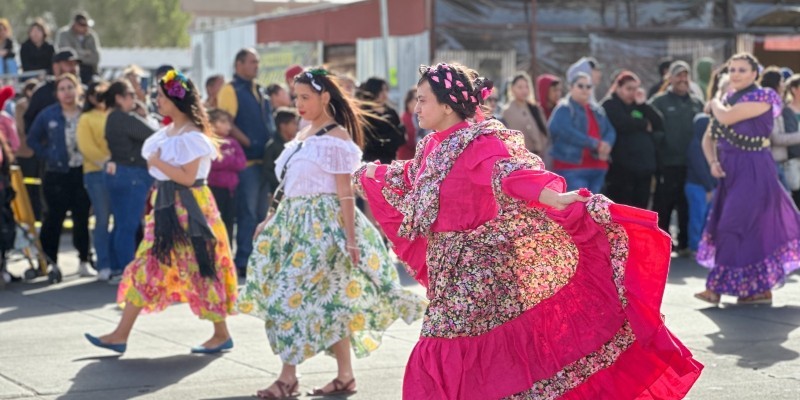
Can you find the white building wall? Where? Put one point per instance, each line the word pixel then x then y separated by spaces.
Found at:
pixel 213 51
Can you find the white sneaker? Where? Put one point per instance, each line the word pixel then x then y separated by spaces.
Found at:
pixel 115 280
pixel 85 269
pixel 104 274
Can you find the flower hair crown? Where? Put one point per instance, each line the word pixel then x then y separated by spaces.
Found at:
pixel 176 84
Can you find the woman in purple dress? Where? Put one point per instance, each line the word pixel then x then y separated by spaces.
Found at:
pixel 751 238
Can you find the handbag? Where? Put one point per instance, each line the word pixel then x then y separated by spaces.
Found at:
pixel 278 195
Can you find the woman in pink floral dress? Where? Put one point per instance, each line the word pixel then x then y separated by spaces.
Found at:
pixel 534 293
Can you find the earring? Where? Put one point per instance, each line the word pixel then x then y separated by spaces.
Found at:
pixel 333 108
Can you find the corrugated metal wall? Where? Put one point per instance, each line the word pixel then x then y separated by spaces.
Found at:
pixel 213 52
pixel 406 54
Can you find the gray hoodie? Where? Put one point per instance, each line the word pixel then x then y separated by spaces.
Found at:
pixel 584 66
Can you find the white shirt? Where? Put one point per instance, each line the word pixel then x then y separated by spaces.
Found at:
pixel 180 149
pixel 311 170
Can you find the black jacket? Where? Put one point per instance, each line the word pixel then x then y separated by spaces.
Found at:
pixel 383 136
pixel 35 58
pixel 635 148
pixel 42 97
pixel 125 134
pixel 272 151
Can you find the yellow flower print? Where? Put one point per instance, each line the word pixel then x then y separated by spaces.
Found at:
pixel 277 267
pixel 287 325
pixel 263 247
pixel 295 300
pixel 265 289
pixel 317 230
pixel 353 289
pixel 357 323
pixel 246 307
pixel 370 344
pixel 308 351
pixel 374 262
pixel 297 259
pixel 213 297
pixel 141 277
pixel 317 277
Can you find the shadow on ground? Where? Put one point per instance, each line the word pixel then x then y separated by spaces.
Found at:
pixel 144 375
pixel 754 334
pixel 29 300
pixel 682 268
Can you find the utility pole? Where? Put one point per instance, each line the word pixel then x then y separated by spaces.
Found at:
pixel 385 36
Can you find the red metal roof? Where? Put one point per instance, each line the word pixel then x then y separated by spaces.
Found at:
pixel 345 23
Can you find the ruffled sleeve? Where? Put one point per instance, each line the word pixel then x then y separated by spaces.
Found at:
pixel 185 148
pixel 520 178
pixel 335 156
pixel 765 95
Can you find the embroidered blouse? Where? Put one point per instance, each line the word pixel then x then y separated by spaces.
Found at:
pixel 459 180
pixel 180 150
pixel 313 168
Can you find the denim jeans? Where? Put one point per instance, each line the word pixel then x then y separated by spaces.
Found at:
pixel 95 184
pixel 251 208
pixel 698 212
pixel 127 189
pixel 591 179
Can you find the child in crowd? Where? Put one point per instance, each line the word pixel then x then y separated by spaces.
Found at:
pixel 224 175
pixel 286 121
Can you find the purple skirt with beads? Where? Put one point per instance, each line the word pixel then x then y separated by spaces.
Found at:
pixel 752 237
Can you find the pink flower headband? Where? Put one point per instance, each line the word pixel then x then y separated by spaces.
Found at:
pixel 443 75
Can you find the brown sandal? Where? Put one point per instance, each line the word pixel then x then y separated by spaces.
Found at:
pixel 708 296
pixel 284 391
pixel 761 298
pixel 339 389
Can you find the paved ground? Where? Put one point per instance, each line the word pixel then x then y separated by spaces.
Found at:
pixel 749 352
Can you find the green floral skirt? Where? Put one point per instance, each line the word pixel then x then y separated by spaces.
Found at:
pixel 301 281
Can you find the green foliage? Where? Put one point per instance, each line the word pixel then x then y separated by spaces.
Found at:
pixel 118 23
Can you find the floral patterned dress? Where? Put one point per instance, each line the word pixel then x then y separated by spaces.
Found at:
pixel 300 278
pixel 154 285
pixel 525 302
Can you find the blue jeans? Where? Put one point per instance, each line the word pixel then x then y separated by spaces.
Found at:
pixel 782 176
pixel 591 179
pixel 698 212
pixel 251 208
pixel 95 184
pixel 127 189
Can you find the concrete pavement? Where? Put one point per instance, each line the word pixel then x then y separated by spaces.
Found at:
pixel 749 352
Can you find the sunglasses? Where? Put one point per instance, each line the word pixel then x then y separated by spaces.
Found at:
pixel 584 86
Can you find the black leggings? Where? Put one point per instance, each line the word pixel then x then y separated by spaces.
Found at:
pixel 65 192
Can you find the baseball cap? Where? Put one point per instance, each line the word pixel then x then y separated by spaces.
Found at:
pixel 677 67
pixel 292 71
pixel 83 18
pixel 65 54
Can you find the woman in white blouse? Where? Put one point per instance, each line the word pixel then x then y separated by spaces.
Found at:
pixel 184 255
pixel 320 275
